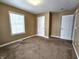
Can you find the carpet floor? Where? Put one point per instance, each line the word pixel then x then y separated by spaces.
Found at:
pixel 38 48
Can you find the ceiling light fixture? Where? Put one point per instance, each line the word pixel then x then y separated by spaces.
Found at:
pixel 35 2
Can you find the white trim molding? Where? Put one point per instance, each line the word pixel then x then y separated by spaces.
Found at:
pixel 42 36
pixel 59 37
pixel 45 36
pixel 16 41
pixel 75 51
pixel 55 36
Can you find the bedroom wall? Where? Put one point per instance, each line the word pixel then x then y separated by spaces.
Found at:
pixel 56 22
pixel 5 31
pixel 53 22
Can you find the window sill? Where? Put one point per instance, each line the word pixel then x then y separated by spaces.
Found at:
pixel 18 34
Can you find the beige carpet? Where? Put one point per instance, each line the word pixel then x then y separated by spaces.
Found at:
pixel 38 48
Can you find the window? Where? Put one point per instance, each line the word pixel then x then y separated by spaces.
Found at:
pixel 17 23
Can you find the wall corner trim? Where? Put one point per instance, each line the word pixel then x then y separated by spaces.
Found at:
pixel 42 36
pixel 16 41
pixel 75 51
pixel 55 36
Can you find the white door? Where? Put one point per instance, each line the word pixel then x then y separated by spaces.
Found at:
pixel 41 26
pixel 67 27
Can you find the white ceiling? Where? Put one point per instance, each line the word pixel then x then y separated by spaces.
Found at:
pixel 46 6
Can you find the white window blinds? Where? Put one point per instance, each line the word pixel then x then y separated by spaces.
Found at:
pixel 17 23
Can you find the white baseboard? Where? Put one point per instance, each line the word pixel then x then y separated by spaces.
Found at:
pixel 42 36
pixel 75 51
pixel 16 41
pixel 45 36
pixel 55 36
pixel 59 37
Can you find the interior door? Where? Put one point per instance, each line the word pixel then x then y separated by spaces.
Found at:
pixel 41 26
pixel 67 27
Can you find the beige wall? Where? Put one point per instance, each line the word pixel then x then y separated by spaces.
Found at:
pixel 46 22
pixel 5 32
pixel 76 37
pixel 53 22
pixel 56 22
pixel 30 23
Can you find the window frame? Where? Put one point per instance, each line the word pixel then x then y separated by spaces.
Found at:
pixel 10 23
